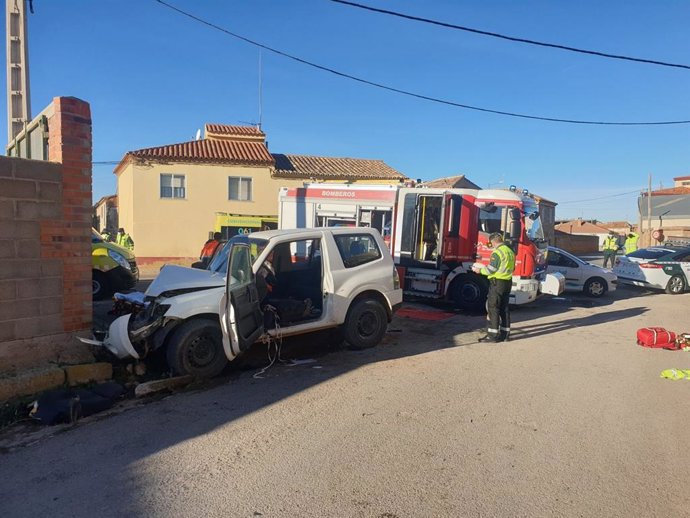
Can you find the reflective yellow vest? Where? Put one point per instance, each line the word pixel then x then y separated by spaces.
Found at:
pixel 507 264
pixel 631 243
pixel 611 243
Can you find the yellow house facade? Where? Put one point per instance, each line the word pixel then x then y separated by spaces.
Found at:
pixel 168 196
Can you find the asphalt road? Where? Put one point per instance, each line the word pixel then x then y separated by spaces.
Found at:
pixel 569 419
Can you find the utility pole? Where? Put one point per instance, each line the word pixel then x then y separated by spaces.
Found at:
pixel 18 96
pixel 649 208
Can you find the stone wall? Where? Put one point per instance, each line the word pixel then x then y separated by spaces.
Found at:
pixel 45 247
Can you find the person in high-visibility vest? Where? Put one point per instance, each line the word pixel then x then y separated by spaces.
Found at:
pixel 500 275
pixel 124 239
pixel 610 248
pixel 631 243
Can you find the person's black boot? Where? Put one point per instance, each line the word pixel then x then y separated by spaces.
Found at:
pixel 489 338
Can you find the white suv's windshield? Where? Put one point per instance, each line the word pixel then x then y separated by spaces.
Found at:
pixel 220 261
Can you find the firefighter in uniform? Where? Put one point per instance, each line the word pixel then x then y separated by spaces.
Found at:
pixel 631 243
pixel 610 248
pixel 500 275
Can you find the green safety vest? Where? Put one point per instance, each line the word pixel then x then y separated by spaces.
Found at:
pixel 631 244
pixel 507 264
pixel 611 243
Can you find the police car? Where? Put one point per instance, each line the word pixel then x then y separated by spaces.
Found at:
pixel 660 267
pixel 580 275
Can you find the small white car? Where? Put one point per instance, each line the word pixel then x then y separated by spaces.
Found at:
pixel 580 275
pixel 659 267
pixel 264 285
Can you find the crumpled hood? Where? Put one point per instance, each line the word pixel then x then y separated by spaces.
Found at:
pixel 173 277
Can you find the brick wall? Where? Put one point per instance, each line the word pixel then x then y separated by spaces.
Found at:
pixel 45 246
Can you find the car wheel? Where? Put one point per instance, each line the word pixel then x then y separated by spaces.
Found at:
pixel 676 285
pixel 100 287
pixel 365 324
pixel 469 292
pixel 595 287
pixel 196 348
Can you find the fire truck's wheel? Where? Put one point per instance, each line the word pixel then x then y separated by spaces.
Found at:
pixel 196 348
pixel 365 324
pixel 100 287
pixel 469 291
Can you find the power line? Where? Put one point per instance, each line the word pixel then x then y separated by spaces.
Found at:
pixel 407 92
pixel 512 38
pixel 602 197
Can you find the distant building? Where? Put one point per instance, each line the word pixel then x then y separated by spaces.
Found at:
pixel 168 196
pixel 670 210
pixel 451 182
pixel 105 213
pixel 584 228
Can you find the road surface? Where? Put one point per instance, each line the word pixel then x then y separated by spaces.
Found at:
pixel 569 419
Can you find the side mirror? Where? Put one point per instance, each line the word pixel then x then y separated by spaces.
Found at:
pixel 533 216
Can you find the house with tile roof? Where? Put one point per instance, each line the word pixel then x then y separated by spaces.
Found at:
pixel 169 195
pixel 583 227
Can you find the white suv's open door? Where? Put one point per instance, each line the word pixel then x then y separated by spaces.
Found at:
pixel 242 316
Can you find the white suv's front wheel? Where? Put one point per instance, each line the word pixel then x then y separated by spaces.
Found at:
pixel 365 324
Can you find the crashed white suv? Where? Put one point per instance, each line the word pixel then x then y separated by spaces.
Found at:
pixel 266 284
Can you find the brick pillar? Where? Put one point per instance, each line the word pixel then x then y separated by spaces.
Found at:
pixel 69 142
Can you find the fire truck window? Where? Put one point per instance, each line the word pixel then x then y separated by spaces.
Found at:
pixel 406 238
pixel 490 221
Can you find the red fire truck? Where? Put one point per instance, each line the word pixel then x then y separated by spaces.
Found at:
pixel 435 235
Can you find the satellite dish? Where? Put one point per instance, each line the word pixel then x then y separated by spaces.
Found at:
pixel 198 134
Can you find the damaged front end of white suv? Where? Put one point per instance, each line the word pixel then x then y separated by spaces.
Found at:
pixel 177 294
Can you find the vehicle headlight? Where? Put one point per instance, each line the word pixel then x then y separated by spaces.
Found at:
pixel 119 260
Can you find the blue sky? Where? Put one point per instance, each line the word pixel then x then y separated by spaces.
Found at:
pixel 153 77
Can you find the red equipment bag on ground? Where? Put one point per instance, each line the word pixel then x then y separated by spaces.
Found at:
pixel 656 337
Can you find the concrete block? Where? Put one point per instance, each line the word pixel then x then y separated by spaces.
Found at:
pixel 19 229
pixel 50 306
pixel 42 171
pixel 7 250
pixel 50 191
pixel 151 387
pixel 20 269
pixel 43 351
pixel 6 209
pixel 30 382
pixel 19 309
pixel 27 248
pixel 12 188
pixel 6 166
pixel 8 290
pixel 26 210
pixel 86 373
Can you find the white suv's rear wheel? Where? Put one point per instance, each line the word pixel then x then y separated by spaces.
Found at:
pixel 365 324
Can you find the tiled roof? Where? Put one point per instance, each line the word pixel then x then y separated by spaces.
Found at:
pixel 680 178
pixel 208 151
pixel 321 167
pixel 672 191
pixel 581 227
pixel 452 182
pixel 227 129
pixel 615 224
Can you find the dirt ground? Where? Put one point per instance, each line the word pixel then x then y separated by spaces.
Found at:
pixel 571 418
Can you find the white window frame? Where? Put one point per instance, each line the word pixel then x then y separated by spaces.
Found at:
pixel 240 181
pixel 173 176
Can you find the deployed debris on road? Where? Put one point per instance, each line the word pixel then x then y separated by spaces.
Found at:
pixel 69 405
